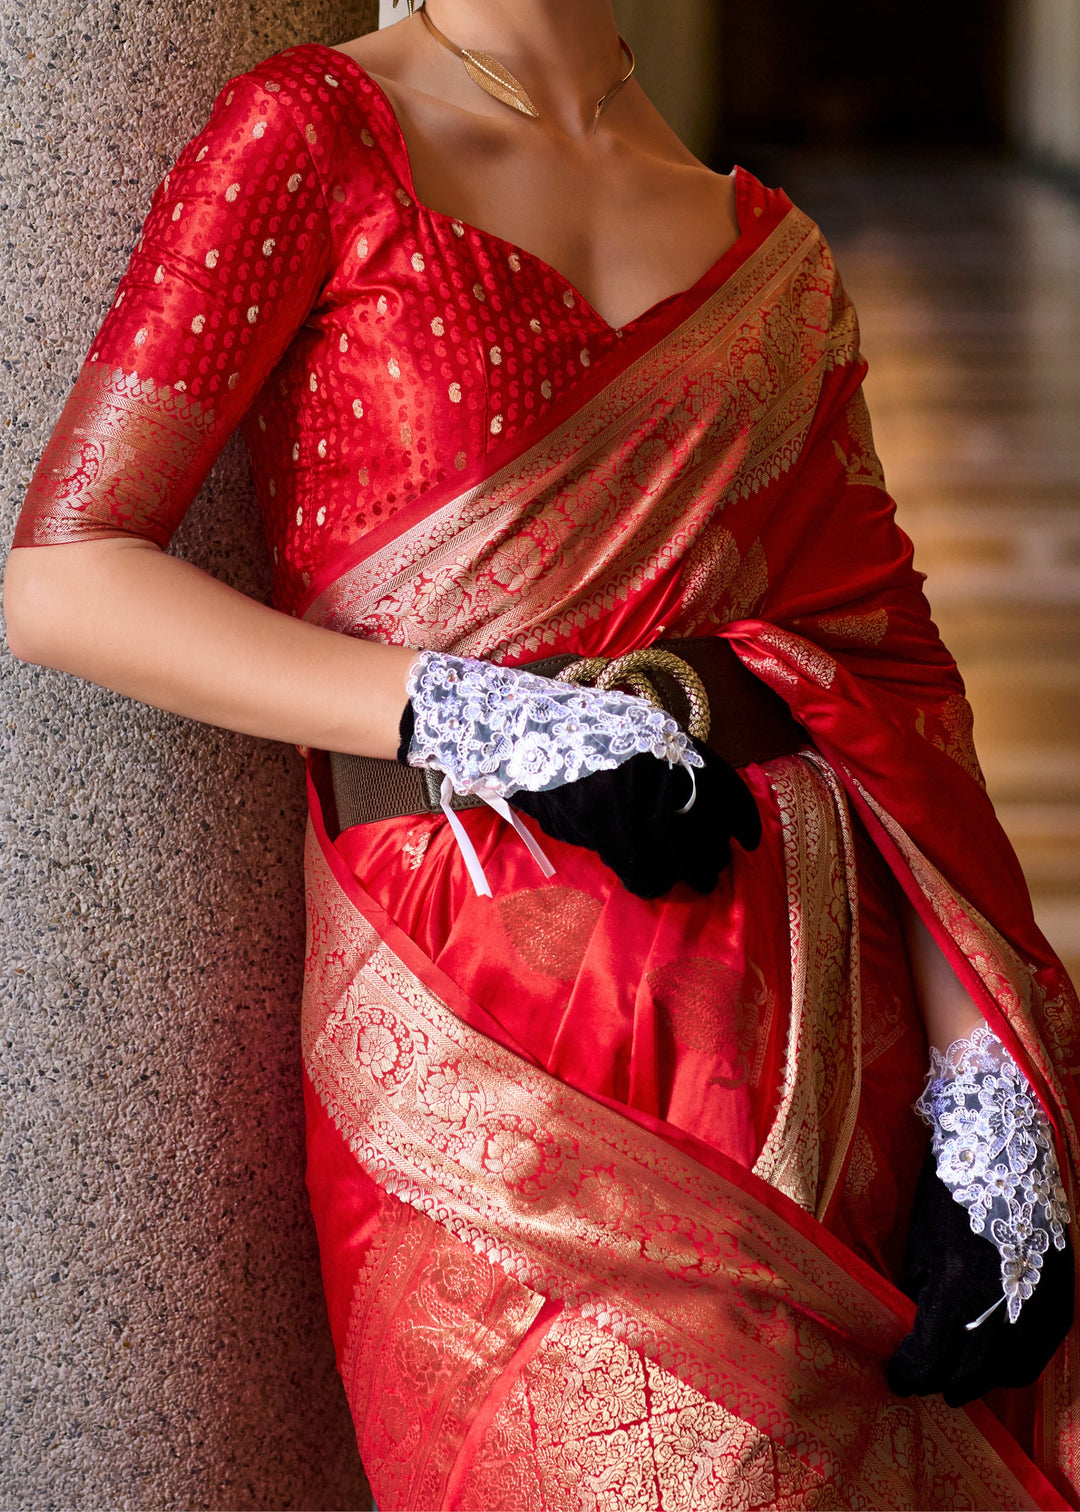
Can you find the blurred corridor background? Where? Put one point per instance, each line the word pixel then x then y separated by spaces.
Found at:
pixel 939 148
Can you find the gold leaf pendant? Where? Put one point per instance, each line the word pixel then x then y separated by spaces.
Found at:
pixel 498 81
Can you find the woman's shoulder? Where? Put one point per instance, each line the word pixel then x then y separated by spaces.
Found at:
pixel 324 93
pixel 312 80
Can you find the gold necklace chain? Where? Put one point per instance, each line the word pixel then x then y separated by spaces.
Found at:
pixel 501 84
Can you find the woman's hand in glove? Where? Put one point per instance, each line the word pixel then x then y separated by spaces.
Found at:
pixel 597 768
pixel 988 1257
pixel 493 731
pixel 633 818
pixel 955 1276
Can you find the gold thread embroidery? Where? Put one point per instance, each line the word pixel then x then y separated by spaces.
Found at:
pixel 807 1145
pixel 696 1276
pixel 550 927
pixel 127 456
pixel 453 581
pixel 414 847
pixel 431 1328
pixel 804 656
pixel 867 629
pixel 861 463
pixel 589 1425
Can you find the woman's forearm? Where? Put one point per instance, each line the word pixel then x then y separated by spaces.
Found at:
pixel 121 613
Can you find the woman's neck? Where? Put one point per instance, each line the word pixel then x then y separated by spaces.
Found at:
pixel 565 52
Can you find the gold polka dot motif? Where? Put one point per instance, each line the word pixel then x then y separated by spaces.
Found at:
pixel 458 341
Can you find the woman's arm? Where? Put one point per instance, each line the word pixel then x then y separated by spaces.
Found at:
pixel 232 257
pixel 120 612
pixel 948 1010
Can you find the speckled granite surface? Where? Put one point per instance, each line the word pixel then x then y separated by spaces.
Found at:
pixel 164 1342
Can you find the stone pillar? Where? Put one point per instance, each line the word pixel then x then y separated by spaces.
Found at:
pixel 1045 83
pixel 165 1342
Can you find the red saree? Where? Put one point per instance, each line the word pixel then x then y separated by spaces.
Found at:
pixel 720 480
pixel 611 1194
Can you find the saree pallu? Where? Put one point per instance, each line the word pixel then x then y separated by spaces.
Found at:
pixel 611 1194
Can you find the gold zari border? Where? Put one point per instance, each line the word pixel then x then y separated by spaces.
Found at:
pixel 631 484
pixel 578 1204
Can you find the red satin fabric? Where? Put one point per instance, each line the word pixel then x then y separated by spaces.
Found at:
pixel 674 1009
pixel 287 279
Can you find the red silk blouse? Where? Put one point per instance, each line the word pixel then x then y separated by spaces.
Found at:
pixel 287 279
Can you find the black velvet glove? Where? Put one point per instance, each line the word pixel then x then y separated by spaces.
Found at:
pixel 955 1275
pixel 629 817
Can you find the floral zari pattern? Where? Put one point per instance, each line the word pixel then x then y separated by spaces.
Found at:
pixel 125 452
pixel 627 488
pixel 636 1241
pixel 808 1144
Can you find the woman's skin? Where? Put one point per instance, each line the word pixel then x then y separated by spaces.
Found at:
pixel 626 213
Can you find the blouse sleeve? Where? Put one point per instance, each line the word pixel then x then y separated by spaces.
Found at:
pixel 232 257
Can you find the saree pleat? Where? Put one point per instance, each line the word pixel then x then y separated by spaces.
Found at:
pixel 675 1252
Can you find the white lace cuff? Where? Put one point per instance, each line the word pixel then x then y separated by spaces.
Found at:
pixel 497 730
pixel 994 1150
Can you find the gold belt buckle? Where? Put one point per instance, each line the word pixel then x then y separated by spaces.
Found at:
pixel 632 672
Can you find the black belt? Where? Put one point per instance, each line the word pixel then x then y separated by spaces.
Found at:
pixel 749 723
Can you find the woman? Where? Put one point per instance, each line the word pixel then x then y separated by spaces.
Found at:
pixel 612 1147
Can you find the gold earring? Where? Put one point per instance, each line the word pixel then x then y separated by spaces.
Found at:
pixel 410 3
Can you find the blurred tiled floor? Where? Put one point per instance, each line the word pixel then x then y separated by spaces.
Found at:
pixel 967 281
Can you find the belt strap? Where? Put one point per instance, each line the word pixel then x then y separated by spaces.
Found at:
pixel 750 723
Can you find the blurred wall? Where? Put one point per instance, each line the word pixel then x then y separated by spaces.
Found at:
pixel 164 1339
pixel 863 75
pixel 1045 83
pixel 677 62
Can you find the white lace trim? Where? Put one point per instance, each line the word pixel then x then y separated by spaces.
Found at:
pixel 493 731
pixel 497 730
pixel 994 1149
